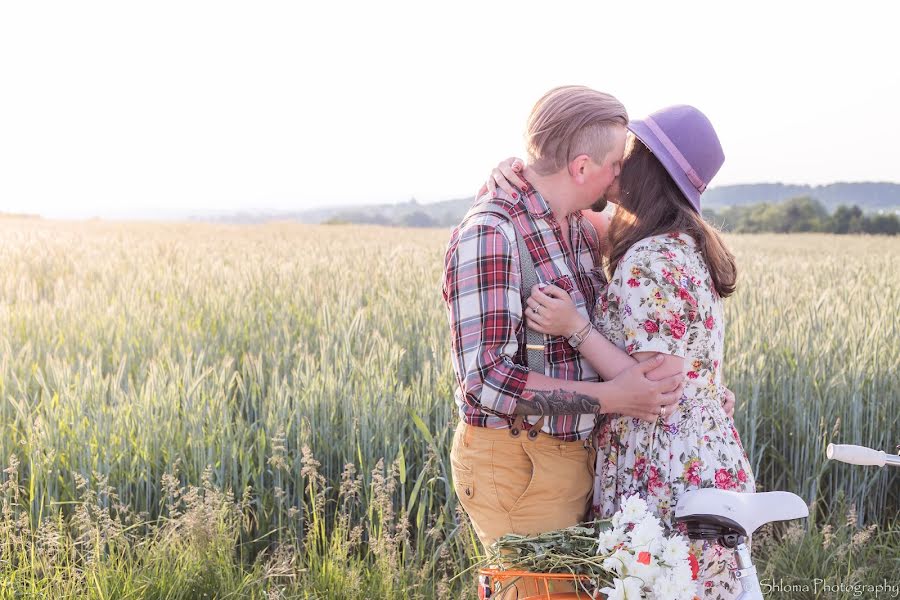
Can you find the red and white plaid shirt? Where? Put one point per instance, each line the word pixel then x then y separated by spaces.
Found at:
pixel 481 287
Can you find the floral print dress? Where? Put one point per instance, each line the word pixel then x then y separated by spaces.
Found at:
pixel 661 299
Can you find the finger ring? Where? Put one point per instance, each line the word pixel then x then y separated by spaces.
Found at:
pixel 662 411
pixel 538 310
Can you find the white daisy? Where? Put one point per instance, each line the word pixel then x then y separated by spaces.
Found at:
pixel 634 510
pixel 646 533
pixel 619 563
pixel 609 539
pixel 629 589
pixel 674 550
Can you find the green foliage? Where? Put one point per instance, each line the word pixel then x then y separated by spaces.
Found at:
pixel 869 195
pixel 253 364
pixel 800 215
pixel 812 560
pixel 852 220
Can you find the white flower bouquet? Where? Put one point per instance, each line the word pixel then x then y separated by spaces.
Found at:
pixel 627 557
pixel 645 563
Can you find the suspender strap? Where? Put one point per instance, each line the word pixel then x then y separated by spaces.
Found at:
pixel 534 341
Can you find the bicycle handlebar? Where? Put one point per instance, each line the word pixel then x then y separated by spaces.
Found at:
pixel 860 455
pixel 855 455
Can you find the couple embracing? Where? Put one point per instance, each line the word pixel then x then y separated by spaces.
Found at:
pixel 588 351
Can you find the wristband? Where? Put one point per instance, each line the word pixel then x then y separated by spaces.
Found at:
pixel 578 337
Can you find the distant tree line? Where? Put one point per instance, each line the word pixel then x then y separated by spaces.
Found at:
pixel 801 215
pixel 417 218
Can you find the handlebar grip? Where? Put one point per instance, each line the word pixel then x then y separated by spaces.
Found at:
pixel 855 455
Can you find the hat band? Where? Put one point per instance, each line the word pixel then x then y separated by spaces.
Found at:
pixel 676 154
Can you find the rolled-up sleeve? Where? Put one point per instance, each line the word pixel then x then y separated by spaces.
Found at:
pixel 482 291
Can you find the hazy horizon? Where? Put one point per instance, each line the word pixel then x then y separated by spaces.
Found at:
pixel 151 213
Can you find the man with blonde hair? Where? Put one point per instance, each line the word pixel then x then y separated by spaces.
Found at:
pixel 522 458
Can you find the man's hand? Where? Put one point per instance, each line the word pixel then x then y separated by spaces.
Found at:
pixel 728 403
pixel 636 396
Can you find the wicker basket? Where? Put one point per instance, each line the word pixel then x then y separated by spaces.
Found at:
pixel 541 582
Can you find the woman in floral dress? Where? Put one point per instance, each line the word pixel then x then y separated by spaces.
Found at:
pixel 661 299
pixel 669 273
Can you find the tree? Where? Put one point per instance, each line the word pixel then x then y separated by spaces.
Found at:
pixel 417 219
pixel 803 214
pixel 843 217
pixel 885 224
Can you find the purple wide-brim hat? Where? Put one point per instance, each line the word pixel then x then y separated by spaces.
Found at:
pixel 684 141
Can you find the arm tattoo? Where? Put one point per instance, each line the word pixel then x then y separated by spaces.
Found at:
pixel 556 402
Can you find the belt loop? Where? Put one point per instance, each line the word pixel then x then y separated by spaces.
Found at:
pixel 466 430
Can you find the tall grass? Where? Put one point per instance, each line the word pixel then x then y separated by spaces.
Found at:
pixel 814 355
pixel 298 377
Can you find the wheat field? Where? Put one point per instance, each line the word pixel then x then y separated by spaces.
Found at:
pixel 195 410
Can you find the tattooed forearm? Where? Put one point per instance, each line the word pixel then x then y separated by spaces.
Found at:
pixel 556 402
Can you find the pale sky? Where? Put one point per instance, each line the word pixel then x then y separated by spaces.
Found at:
pixel 126 108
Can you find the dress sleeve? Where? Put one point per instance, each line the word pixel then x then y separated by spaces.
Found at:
pixel 657 301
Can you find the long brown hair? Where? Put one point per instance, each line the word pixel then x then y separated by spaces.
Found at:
pixel 650 203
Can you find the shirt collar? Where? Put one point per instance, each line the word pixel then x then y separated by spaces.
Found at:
pixel 535 203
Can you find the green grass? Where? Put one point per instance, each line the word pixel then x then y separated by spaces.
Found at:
pixel 156 359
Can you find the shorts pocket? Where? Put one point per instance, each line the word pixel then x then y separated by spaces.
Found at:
pixel 573 470
pixel 463 481
pixel 583 456
pixel 513 472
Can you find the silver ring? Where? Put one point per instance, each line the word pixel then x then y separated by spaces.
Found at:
pixel 538 309
pixel 662 412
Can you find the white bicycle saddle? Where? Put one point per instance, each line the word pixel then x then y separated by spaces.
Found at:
pixel 711 508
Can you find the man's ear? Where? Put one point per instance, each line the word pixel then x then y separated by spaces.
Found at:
pixel 578 166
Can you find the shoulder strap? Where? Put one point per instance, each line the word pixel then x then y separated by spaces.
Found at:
pixel 534 341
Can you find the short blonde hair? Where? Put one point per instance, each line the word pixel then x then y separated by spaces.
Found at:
pixel 568 121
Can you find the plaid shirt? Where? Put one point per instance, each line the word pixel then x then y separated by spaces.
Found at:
pixel 481 287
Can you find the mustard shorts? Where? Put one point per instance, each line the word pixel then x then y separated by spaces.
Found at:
pixel 518 484
pixel 521 485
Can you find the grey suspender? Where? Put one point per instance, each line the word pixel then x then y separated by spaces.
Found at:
pixel 534 341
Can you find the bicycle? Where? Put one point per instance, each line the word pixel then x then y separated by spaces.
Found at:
pixel 729 518
pixel 709 514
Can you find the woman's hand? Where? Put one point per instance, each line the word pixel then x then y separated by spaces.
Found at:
pixel 552 311
pixel 728 403
pixel 507 177
pixel 635 395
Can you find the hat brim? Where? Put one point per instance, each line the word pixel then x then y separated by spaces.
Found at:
pixel 649 139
